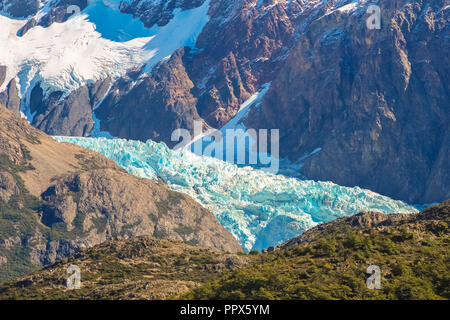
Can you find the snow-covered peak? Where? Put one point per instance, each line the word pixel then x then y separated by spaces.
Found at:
pixel 66 56
pixel 99 42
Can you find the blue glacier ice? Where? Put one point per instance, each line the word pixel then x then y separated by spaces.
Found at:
pixel 260 209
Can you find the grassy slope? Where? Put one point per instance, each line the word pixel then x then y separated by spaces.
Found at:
pixel 331 263
pixel 327 262
pixel 138 268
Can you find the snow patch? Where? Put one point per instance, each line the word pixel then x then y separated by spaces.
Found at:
pixel 182 30
pixel 97 43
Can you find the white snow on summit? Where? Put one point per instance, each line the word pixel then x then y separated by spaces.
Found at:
pixel 98 42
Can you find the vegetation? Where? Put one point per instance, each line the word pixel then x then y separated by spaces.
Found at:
pixel 413 255
pixel 328 262
pixel 88 162
pixel 139 268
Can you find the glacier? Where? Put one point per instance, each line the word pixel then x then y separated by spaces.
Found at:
pixel 260 209
pixel 97 43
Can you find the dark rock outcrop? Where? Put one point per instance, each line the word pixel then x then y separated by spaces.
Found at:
pixel 2 74
pixel 30 24
pixel 154 108
pixel 8 186
pixel 20 8
pixel 58 12
pixel 10 97
pixel 157 12
pixel 375 101
pixel 57 115
pixel 98 90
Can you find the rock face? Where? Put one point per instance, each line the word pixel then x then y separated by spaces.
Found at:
pixel 375 101
pixel 56 199
pixel 8 187
pixel 2 74
pixel 158 12
pixel 107 204
pixel 58 12
pixel 155 107
pixel 243 46
pixel 10 97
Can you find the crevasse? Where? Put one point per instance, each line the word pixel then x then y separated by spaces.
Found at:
pixel 260 209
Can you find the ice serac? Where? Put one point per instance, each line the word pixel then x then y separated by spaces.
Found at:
pixel 375 101
pixel 258 208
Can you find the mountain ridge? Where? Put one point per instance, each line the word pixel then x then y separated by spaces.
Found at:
pixel 384 110
pixel 56 198
pixel 327 262
pixel 376 102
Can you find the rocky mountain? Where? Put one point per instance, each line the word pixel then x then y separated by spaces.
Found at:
pixel 327 262
pixel 9 98
pixel 239 49
pixel 56 114
pixel 362 111
pixel 165 103
pixel 57 199
pixel 376 102
pixel 372 103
